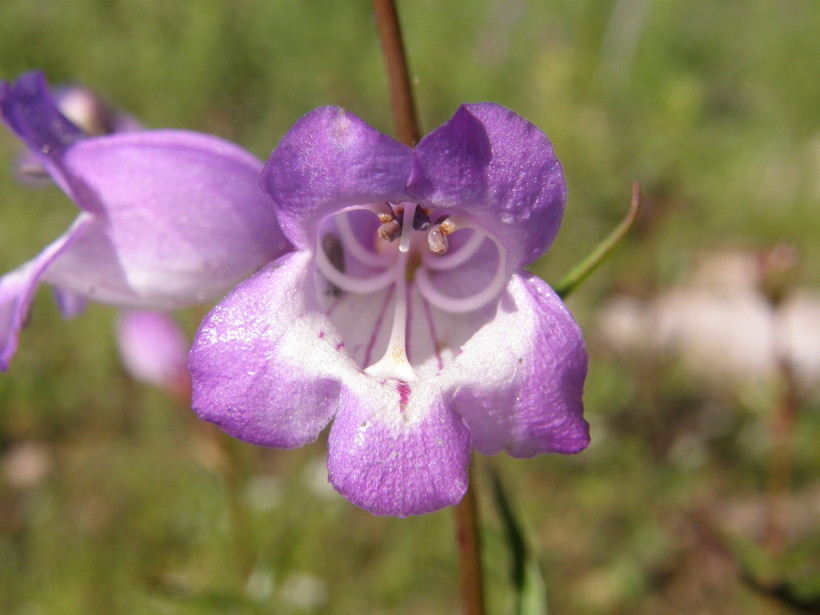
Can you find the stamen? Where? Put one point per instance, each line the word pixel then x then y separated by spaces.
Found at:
pixel 460 305
pixel 399 221
pixel 390 230
pixel 395 364
pixel 421 219
pixel 356 249
pixel 379 209
pixel 449 225
pixel 437 241
pixel 358 286
pixel 456 258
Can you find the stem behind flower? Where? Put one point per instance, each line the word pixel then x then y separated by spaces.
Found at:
pixel 401 90
pixel 407 130
pixel 468 538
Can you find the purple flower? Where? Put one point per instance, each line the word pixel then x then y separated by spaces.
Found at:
pixel 154 350
pixel 167 218
pixel 86 111
pixel 404 314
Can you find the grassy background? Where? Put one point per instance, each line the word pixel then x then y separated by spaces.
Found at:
pixel 714 106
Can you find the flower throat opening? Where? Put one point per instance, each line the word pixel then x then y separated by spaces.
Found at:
pixel 404 256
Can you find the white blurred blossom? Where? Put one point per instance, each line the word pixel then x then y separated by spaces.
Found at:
pixel 722 327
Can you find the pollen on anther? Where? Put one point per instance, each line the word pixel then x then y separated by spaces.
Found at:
pixel 389 231
pixel 447 226
pixel 437 241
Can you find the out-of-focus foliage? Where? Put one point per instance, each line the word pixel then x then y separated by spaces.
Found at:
pixel 115 500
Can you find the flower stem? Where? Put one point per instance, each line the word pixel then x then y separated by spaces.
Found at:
pixel 222 455
pixel 401 90
pixel 783 427
pixel 469 550
pixel 582 270
pixel 408 132
pixel 234 478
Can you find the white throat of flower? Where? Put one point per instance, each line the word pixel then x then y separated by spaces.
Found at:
pixel 395 270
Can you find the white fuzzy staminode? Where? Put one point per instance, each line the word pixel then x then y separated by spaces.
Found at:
pixel 461 305
pixel 395 364
pixel 394 265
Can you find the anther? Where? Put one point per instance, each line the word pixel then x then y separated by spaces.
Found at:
pixel 437 237
pixel 390 230
pixel 355 249
pixel 437 241
pixel 383 211
pixel 421 219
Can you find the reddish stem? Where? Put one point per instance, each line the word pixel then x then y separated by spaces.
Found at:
pixel 407 130
pixel 468 538
pixel 782 456
pixel 401 90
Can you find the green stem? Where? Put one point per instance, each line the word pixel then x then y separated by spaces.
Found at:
pixel 224 459
pixel 234 478
pixel 398 75
pixel 582 270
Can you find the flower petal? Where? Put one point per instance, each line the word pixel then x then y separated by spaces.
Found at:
pixel 519 380
pixel 181 219
pixel 263 362
pixel 435 338
pixel 331 160
pixel 90 113
pixel 398 449
pixel 17 288
pixel 154 349
pixel 363 322
pixel 70 304
pixel 499 170
pixel 80 106
pixel 29 111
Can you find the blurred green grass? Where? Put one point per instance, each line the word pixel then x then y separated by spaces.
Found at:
pixel 714 107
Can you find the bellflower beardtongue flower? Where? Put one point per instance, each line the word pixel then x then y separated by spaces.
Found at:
pixel 404 315
pixel 167 217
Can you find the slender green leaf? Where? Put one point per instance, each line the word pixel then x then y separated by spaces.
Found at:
pixel 525 573
pixel 584 269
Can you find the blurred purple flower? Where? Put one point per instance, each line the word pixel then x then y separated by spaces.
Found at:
pixel 168 217
pixel 154 350
pixel 88 112
pixel 404 315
